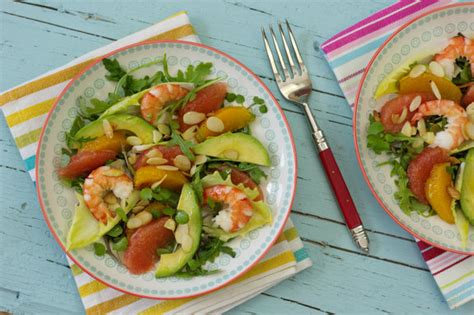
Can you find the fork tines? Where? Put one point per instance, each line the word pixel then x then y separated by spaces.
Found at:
pixel 293 70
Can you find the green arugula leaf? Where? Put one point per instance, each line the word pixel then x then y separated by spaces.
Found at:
pixel 116 72
pixel 196 183
pixel 197 74
pixel 208 251
pixel 184 145
pixel 254 171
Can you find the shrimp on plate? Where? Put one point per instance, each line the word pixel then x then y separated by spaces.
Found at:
pixel 158 97
pixel 102 188
pixel 453 135
pixel 237 209
pixel 458 46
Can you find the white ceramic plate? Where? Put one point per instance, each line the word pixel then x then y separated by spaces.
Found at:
pixel 426 34
pixel 271 129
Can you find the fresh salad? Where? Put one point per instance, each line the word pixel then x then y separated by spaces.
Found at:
pixel 165 170
pixel 426 126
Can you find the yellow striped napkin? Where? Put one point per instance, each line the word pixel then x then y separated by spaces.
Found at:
pixel 25 108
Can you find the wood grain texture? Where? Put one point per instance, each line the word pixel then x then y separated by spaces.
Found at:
pixel 37 36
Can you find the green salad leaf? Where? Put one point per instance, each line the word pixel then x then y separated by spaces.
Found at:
pixel 401 150
pixel 465 74
pixel 209 249
pixel 185 146
pixel 116 72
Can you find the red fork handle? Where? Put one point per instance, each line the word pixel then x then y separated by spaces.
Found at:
pixel 339 188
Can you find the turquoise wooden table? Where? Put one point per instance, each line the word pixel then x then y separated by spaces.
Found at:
pixel 37 36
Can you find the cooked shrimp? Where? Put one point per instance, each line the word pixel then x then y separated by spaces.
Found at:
pixel 98 184
pixel 452 136
pixel 237 209
pixel 158 97
pixel 458 46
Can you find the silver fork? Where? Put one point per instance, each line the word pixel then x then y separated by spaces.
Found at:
pixel 295 86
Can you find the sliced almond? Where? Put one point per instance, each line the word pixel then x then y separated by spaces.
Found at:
pixel 157 136
pixel 469 130
pixel 193 170
pixel 435 90
pixel 406 129
pixel 417 71
pixel 113 172
pixel 454 193
pixel 133 140
pixel 154 153
pixel 187 243
pixel 192 117
pixel 164 129
pixel 200 159
pixel 158 183
pixel 436 69
pixel 429 137
pixel 170 224
pixel 190 133
pixel 403 115
pixel 182 162
pixel 215 124
pixel 156 161
pixel 421 125
pixel 167 168
pixel 145 217
pixel 142 147
pixel 132 159
pixel 134 223
pixel 108 130
pixel 415 103
pixel 231 154
pixel 181 230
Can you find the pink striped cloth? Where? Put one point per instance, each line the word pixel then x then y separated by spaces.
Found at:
pixel 348 53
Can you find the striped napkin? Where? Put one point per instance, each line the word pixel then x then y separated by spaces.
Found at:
pixel 25 108
pixel 348 53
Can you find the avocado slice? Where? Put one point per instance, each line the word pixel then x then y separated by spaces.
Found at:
pixel 462 223
pixel 169 264
pixel 245 147
pixel 467 189
pixel 134 124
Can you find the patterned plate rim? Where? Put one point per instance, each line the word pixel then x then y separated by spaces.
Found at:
pixel 355 135
pixel 286 213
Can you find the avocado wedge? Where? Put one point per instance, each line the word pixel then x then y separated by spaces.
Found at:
pixel 460 220
pixel 467 189
pixel 239 147
pixel 134 124
pixel 169 264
